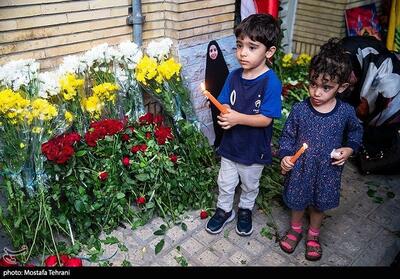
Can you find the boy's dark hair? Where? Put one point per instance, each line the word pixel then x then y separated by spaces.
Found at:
pixel 262 28
pixel 332 60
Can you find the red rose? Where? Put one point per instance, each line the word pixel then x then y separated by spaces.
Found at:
pixel 51 261
pixel 203 214
pixel 103 175
pixel 125 161
pixel 73 262
pixel 8 261
pixel 135 149
pixel 173 158
pixel 158 119
pixel 64 259
pixel 140 200
pixel 143 147
pixel 125 137
pixel 148 135
pixel 146 119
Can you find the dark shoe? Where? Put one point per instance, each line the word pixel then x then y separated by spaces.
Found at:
pixel 244 225
pixel 219 220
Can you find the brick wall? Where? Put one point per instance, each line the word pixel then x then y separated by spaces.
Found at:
pixel 47 30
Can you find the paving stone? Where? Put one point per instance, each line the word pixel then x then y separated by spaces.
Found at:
pixel 223 246
pixel 139 256
pixel 175 258
pixel 240 258
pixel 208 258
pixel 176 233
pixel 254 247
pixel 388 215
pixel 380 251
pixel 273 258
pixel 204 237
pixel 144 233
pixel 192 246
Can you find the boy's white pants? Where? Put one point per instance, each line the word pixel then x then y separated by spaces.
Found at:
pixel 228 179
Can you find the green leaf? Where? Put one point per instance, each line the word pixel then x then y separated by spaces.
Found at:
pixel 372 183
pixel 371 193
pixel 390 195
pixel 80 153
pixel 110 240
pixel 78 205
pixel 122 247
pixel 159 246
pixel 378 200
pixel 126 263
pixel 184 227
pixel 159 232
pixel 142 177
pixel 120 195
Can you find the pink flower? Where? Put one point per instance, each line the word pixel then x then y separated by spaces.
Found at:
pixel 103 175
pixel 125 161
pixel 141 200
pixel 203 214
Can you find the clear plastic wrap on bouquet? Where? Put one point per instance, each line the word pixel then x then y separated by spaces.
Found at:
pixel 130 102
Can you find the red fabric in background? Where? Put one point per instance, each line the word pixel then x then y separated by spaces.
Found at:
pixel 267 7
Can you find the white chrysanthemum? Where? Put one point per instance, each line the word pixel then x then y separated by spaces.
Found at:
pixel 100 54
pixel 71 64
pixel 19 73
pixel 159 49
pixel 130 54
pixel 49 85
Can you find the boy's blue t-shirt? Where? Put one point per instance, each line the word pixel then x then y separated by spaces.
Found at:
pixel 244 144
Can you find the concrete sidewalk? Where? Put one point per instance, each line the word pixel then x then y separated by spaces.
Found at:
pixel 360 232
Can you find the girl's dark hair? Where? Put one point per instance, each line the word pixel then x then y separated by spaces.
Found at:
pixel 332 60
pixel 262 28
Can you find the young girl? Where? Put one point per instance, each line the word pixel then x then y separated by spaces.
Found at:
pixel 332 132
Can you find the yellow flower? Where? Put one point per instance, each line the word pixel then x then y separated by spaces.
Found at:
pixel 94 105
pixel 68 116
pixel 21 145
pixel 287 60
pixel 303 59
pixel 37 130
pixel 167 69
pixel 146 69
pixel 69 85
pixel 105 91
pixel 43 110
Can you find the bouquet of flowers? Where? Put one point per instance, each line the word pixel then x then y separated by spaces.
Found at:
pixel 26 121
pixel 160 75
pixel 130 98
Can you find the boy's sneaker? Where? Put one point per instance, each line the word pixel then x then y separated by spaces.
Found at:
pixel 219 220
pixel 244 225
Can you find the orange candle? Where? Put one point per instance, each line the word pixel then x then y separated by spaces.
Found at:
pixel 298 153
pixel 213 100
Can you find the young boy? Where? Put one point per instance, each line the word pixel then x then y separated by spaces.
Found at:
pixel 252 94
